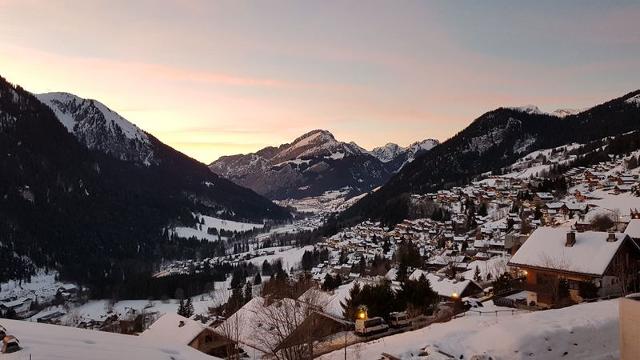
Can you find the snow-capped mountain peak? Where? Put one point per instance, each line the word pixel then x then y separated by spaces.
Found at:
pixel 388 152
pixel 316 143
pixel 529 109
pixel 561 113
pixel 403 155
pixel 426 144
pixel 634 100
pixel 99 127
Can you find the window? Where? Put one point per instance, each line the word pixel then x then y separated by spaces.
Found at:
pixel 574 285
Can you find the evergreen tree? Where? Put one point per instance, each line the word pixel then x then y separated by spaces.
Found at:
pixel 362 266
pixel 188 308
pixel 238 278
pixel 181 308
pixel 482 211
pixel 248 293
pixel 307 261
pixel 502 283
pixel 417 295
pixel 257 280
pixel 266 268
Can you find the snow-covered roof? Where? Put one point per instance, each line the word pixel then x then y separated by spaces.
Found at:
pixel 53 342
pixel 545 248
pixel 250 325
pixel 443 286
pixel 173 328
pixel 633 229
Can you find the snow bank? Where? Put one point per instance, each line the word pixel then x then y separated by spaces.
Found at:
pixel 586 331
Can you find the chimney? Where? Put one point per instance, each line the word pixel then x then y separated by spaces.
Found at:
pixel 571 239
pixel 611 236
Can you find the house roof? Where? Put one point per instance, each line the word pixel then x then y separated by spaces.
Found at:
pixel 250 324
pixel 173 328
pixel 545 248
pixel 443 286
pixel 53 342
pixel 633 229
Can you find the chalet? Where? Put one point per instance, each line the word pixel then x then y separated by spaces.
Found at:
pixel 21 306
pixel 574 208
pixel 543 197
pixel 553 208
pixel 175 329
pixel 448 288
pixel 315 328
pixel 633 230
pixel 607 260
pixel 52 317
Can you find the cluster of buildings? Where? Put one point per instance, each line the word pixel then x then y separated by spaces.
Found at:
pixel 22 307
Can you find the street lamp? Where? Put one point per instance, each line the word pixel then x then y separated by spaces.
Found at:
pixel 361 313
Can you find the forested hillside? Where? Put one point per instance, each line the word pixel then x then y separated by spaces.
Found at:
pixel 494 140
pixel 94 217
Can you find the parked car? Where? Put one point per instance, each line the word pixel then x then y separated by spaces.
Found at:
pixel 399 319
pixel 370 326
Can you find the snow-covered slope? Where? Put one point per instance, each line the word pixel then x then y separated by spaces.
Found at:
pixel 634 100
pixel 585 331
pixel 539 162
pixel 100 128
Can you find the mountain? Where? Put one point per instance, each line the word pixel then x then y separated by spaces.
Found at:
pixel 100 128
pixel 396 156
pixel 388 152
pixel 312 164
pixel 78 202
pixel 491 142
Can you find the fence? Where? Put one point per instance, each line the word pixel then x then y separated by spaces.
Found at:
pixel 495 313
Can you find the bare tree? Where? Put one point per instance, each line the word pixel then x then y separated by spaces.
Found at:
pixel 277 319
pixel 230 329
pixel 602 222
pixel 274 322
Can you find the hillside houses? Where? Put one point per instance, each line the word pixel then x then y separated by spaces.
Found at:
pixel 19 306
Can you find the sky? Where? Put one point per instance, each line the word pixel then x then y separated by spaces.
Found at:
pixel 214 78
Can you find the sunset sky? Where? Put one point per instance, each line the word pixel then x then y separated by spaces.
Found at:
pixel 222 77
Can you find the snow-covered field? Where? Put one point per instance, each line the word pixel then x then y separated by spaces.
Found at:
pixel 213 223
pixel 290 256
pixel 42 285
pixel 585 331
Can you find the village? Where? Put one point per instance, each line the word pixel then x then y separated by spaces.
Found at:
pixel 507 245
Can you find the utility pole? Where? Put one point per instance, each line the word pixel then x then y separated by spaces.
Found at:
pixel 345 343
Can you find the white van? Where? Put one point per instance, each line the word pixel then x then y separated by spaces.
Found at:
pixel 399 319
pixel 370 326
